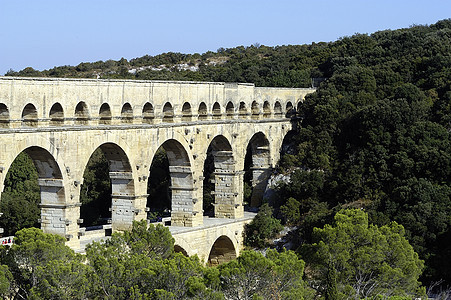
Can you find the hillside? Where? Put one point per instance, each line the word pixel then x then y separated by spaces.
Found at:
pixel 375 136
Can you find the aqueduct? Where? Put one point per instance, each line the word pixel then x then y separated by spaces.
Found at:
pixel 59 123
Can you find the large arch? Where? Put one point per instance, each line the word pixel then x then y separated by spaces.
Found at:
pixel 219 168
pixel 56 114
pixel 259 164
pixel 222 251
pixel 122 185
pixel 51 188
pixel 182 184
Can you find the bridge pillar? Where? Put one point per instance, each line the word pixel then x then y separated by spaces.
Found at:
pixel 261 170
pixel 228 195
pixel 185 209
pixel 125 209
pixel 58 216
pixel 125 205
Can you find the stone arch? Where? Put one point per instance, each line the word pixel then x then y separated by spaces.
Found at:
pixel 186 112
pixel 105 114
pixel 277 108
pixel 202 111
pixel 168 112
pixel 179 249
pixel 289 109
pixel 255 110
pixel 243 109
pixel 219 168
pixel 122 185
pixel 266 109
pixel 216 111
pixel 182 185
pixel 56 114
pixel 127 113
pixel 148 113
pixel 230 110
pixel 258 153
pixel 4 116
pixel 52 192
pixel 222 251
pixel 81 113
pixel 29 115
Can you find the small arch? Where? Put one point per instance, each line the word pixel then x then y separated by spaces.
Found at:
pixel 168 113
pixel 81 113
pixel 4 116
pixel 56 114
pixel 30 115
pixel 299 106
pixel 230 110
pixel 216 111
pixel 255 110
pixel 186 112
pixel 179 249
pixel 277 108
pixel 242 110
pixel 289 109
pixel 127 113
pixel 105 114
pixel 202 112
pixel 148 113
pixel 222 251
pixel 266 109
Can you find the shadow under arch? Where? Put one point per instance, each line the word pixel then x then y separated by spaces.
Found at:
pixel 222 251
pixel 181 186
pixel 38 182
pixel 56 114
pixel 219 167
pixel 4 116
pixel 179 249
pixel 109 177
pixel 257 167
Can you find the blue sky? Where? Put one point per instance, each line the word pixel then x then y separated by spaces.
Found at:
pixel 47 33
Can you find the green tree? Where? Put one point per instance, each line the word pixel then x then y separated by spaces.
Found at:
pixel 252 275
pixel 369 260
pixel 263 227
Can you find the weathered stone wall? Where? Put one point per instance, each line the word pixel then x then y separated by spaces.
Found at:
pixel 61 122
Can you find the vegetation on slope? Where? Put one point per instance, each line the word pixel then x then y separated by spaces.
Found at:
pixel 375 135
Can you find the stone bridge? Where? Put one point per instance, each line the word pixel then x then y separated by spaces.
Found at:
pixel 59 123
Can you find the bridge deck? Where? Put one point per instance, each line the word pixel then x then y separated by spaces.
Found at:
pixel 175 230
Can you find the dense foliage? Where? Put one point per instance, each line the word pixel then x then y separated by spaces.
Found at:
pixel 367 260
pixel 375 135
pixel 140 264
